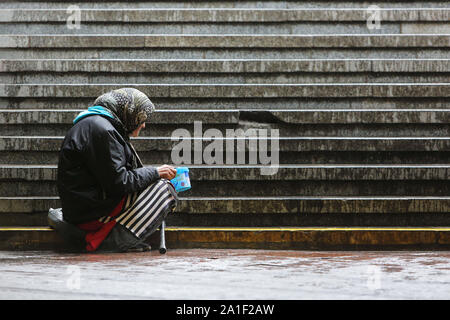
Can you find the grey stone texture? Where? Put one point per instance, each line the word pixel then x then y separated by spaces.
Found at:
pixel 362 114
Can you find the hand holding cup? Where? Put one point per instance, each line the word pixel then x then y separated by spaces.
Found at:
pixel 167 172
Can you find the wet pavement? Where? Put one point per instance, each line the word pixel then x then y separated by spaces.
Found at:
pixel 226 274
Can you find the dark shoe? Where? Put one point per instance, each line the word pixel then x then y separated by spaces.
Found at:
pixel 73 236
pixel 120 239
pixel 140 248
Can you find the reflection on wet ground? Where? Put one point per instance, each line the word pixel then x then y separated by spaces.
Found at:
pixel 226 274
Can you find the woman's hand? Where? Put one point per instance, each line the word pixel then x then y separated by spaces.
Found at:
pixel 167 172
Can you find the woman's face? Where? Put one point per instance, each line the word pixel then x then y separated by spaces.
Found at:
pixel 136 132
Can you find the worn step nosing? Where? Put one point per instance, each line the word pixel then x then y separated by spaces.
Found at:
pixel 271 205
pixel 266 238
pixel 226 41
pixel 225 66
pixel 44 117
pixel 261 91
pixel 292 144
pixel 407 116
pixel 224 15
pixel 283 172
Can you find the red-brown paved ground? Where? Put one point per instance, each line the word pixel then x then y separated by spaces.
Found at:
pixel 226 274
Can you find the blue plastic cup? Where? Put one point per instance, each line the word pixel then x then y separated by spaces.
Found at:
pixel 181 181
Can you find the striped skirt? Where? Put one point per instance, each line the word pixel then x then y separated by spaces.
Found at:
pixel 144 211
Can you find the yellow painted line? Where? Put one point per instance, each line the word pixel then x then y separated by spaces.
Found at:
pixel 267 229
pixel 26 229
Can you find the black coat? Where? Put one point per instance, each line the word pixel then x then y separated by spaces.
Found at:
pixel 97 167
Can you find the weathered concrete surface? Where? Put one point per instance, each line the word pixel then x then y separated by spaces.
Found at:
pixel 41 118
pixel 223 15
pixel 226 274
pixel 285 130
pixel 252 172
pixel 314 90
pixel 225 41
pixel 220 78
pixel 87 4
pixel 45 117
pixel 273 238
pixel 338 64
pixel 226 66
pixel 308 157
pixel 226 53
pixel 264 188
pixel 225 21
pixel 81 103
pixel 274 204
pixel 292 144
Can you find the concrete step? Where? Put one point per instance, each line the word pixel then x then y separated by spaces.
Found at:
pixel 286 219
pixel 226 41
pixel 220 173
pixel 226 79
pixel 292 211
pixel 386 219
pixel 293 117
pixel 339 122
pixel 294 150
pixel 290 180
pixel 308 130
pixel 389 51
pixel 260 91
pixel 292 144
pixel 219 46
pixel 237 76
pixel 280 103
pixel 301 238
pixel 227 66
pixel 215 15
pixel 267 205
pixel 206 79
pixel 121 4
pixel 338 66
pixel 225 21
pixel 159 117
pixel 286 157
pixel 265 188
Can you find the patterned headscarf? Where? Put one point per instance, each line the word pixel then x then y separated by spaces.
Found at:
pixel 129 105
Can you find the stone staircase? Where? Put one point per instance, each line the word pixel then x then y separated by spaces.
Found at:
pixel 363 115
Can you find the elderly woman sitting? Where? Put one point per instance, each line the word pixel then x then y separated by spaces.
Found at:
pixel 110 201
